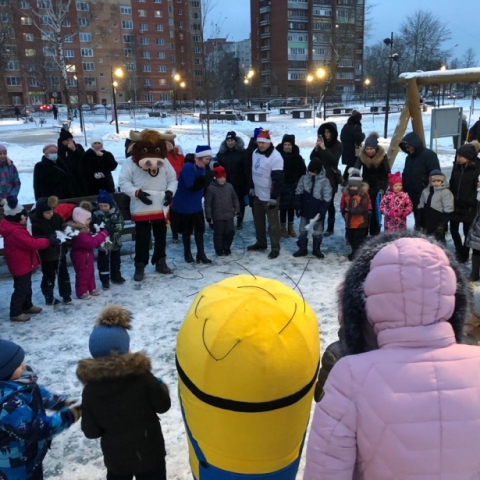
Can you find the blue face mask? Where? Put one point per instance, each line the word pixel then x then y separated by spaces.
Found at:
pixel 53 157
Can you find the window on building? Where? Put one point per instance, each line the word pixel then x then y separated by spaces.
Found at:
pixel 197 38
pixel 127 24
pixel 66 23
pixel 36 99
pixel 128 52
pixel 161 55
pixel 198 61
pixel 28 37
pixel 157 14
pixel 147 68
pixel 49 51
pixel 88 66
pixel 143 27
pixel 49 36
pixel 172 46
pixel 44 4
pixel 86 52
pixel 148 97
pixel 12 65
pixel 125 10
pixel 146 55
pixel 145 41
pixel 162 68
pixel 71 82
pixel 198 73
pixel 198 49
pixel 182 48
pixel 160 41
pixel 53 81
pixel 26 21
pixel 68 53
pixel 83 22
pixel 195 3
pixel 179 11
pixel 92 81
pixel 142 13
pixel 82 7
pixel 34 82
pixel 30 52
pixel 157 1
pixel 68 39
pixel 131 66
pixel 172 34
pixel 50 65
pixel 147 82
pixel 71 68
pixel 159 28
pixel 128 38
pixel 24 5
pixel 13 81
pixel 170 22
pixel 85 37
pixel 163 81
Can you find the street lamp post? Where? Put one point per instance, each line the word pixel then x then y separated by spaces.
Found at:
pixel 442 68
pixel 366 84
pixel 118 73
pixel 248 85
pixel 176 79
pixel 308 79
pixel 388 41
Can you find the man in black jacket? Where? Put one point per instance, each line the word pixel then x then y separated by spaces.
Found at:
pixel 351 137
pixel 419 163
pixel 71 154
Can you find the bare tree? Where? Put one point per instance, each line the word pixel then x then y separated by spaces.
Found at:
pixel 469 58
pixel 6 33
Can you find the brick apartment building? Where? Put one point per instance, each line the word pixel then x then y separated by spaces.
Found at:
pixel 292 39
pixel 150 40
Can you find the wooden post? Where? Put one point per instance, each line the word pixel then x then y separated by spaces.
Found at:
pixel 413 103
pixel 400 130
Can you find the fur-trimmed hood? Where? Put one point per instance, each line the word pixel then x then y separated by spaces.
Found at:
pixel 113 367
pixel 422 289
pixel 364 187
pixel 239 146
pixel 375 161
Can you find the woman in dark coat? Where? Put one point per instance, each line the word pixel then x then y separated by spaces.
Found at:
pixel 329 150
pixel 51 177
pixel 351 138
pixel 98 165
pixel 375 168
pixel 231 156
pixel 293 169
pixel 463 185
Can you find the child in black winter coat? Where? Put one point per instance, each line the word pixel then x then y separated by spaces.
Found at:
pixel 221 207
pixel 121 399
pixel 45 222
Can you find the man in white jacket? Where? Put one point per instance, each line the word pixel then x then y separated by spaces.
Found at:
pixel 150 182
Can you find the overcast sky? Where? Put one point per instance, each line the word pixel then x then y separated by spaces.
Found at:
pixel 461 16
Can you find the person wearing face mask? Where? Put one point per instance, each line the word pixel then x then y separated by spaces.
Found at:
pixel 51 176
pixel 98 165
pixel 9 181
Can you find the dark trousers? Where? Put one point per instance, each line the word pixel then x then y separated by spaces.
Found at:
pixel 331 215
pixel 355 237
pixel 22 294
pixel 223 233
pixel 159 474
pixel 108 263
pixel 241 200
pixel 37 474
pixel 261 213
pixel 174 224
pixel 50 272
pixel 457 239
pixel 287 212
pixel 143 233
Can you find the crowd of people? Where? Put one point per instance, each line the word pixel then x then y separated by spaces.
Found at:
pixel 396 348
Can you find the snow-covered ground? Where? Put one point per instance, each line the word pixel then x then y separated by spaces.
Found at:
pixel 56 339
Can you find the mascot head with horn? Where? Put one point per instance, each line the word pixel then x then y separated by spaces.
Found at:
pixel 149 149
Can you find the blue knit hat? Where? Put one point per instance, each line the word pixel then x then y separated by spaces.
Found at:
pixel 256 132
pixel 11 357
pixel 104 197
pixel 203 151
pixel 110 334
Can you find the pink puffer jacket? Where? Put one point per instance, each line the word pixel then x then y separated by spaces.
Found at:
pixel 411 409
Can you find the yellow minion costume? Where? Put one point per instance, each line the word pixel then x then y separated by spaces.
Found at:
pixel 247 359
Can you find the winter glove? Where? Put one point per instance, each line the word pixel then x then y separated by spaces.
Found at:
pixel 143 197
pixel 168 198
pixel 198 184
pixel 54 240
pixel 272 203
pixel 99 175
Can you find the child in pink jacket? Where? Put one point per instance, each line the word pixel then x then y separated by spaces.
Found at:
pixel 82 254
pixel 396 205
pixel 404 403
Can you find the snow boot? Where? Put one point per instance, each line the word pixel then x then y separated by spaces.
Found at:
pixel 283 231
pixel 162 267
pixel 20 318
pixel 33 310
pixel 139 271
pixel 302 248
pixel 52 301
pixel 201 257
pixel 291 231
pixel 317 241
pixel 187 252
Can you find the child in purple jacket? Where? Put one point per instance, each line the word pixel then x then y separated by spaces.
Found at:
pixel 82 253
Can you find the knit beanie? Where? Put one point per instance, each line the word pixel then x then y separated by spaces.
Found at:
pixel 110 333
pixel 289 138
pixel 45 204
pixel 203 151
pixel 372 140
pixel 231 136
pixel 64 135
pixel 51 148
pixel 96 140
pixel 80 215
pixel 469 151
pixel 315 165
pixel 354 177
pixel 436 175
pixel 394 178
pixel 356 114
pixel 11 357
pixel 12 210
pixel 219 172
pixel 104 197
pixel 3 148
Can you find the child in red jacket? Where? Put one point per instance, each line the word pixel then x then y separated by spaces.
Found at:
pixel 22 258
pixel 82 254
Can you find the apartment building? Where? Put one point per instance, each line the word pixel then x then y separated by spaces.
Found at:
pixel 148 41
pixel 292 39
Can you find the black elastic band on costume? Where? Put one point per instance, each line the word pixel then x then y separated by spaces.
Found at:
pixel 246 407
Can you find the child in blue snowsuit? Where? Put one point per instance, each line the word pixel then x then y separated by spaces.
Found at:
pixel 26 430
